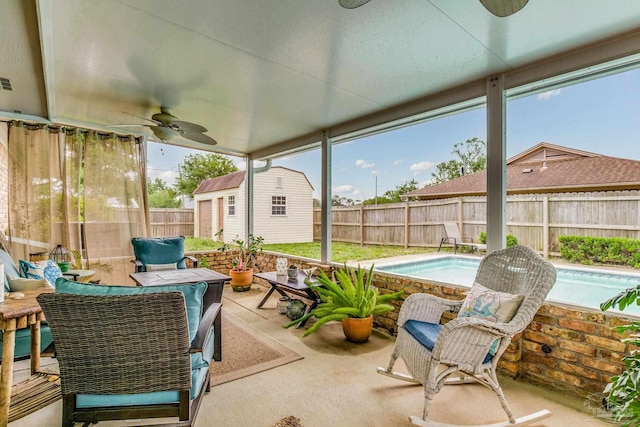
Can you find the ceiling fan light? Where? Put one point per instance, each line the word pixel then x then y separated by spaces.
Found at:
pixel 164 133
pixel 503 8
pixel 352 4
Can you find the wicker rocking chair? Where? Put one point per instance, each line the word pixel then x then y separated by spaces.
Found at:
pixel 509 287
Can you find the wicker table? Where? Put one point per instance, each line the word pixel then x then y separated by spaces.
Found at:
pixel 17 314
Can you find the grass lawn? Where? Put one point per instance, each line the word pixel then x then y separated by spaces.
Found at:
pixel 341 252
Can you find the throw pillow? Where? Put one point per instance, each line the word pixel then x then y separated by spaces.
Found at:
pixel 18 284
pixel 47 270
pixel 496 306
pixel 161 267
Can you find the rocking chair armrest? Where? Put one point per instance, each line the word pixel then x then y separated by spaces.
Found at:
pixel 211 317
pixel 426 308
pixel 193 259
pixel 467 340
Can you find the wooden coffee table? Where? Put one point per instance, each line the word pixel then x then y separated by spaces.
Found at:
pixel 214 279
pixel 283 284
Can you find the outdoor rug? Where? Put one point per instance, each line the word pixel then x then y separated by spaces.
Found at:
pixel 247 351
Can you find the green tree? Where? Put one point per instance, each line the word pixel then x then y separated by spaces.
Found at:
pixel 197 167
pixel 161 195
pixel 342 201
pixel 394 196
pixel 471 157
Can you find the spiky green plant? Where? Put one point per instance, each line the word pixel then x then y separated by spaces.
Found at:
pixel 350 295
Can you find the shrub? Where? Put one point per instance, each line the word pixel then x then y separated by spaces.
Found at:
pixel 511 239
pixel 602 250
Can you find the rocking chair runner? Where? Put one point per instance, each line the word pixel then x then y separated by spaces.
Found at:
pixel 472 343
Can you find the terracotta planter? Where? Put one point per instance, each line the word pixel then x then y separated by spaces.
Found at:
pixel 241 280
pixel 356 329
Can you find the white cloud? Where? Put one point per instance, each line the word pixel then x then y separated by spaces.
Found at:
pixel 417 167
pixel 364 164
pixel 346 188
pixel 397 162
pixel 374 172
pixel 548 94
pixel 356 192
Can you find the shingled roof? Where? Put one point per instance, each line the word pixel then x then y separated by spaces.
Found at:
pixel 546 168
pixel 224 182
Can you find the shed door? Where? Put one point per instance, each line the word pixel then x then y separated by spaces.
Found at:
pixel 220 217
pixel 204 219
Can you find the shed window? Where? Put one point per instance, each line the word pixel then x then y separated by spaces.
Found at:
pixel 278 205
pixel 231 205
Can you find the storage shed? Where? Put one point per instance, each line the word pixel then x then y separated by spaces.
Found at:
pixel 283 206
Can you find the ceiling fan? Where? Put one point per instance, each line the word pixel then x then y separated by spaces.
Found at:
pixel 500 8
pixel 167 127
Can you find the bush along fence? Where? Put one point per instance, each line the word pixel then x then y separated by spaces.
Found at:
pixel 576 350
pixel 600 250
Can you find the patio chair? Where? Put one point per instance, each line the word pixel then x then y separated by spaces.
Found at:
pixel 509 287
pixel 130 356
pixel 454 237
pixel 160 253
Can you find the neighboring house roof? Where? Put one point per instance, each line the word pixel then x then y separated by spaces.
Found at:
pixel 232 180
pixel 546 168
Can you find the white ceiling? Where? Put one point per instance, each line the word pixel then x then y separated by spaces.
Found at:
pixel 257 73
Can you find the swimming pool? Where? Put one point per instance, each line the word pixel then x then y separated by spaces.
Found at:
pixel 575 286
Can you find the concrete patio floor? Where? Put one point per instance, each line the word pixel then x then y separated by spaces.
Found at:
pixel 336 384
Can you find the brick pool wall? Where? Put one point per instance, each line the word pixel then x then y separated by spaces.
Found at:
pixel 582 349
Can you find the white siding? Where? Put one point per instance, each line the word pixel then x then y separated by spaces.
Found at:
pixel 294 227
pixel 297 225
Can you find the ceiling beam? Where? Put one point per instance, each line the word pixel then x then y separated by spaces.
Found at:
pixel 45 28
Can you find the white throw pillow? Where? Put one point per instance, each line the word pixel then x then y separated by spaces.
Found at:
pixel 161 267
pixel 19 284
pixel 47 270
pixel 494 305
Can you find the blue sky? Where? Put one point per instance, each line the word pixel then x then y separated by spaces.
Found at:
pixel 601 116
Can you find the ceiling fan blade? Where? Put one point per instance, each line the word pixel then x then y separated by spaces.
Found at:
pixel 143 118
pixel 199 137
pixel 188 127
pixel 503 8
pixel 352 4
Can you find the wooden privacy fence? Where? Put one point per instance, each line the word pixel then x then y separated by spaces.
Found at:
pixel 171 222
pixel 536 220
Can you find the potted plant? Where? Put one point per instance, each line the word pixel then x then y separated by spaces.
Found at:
pixel 350 299
pixel 244 259
pixel 623 391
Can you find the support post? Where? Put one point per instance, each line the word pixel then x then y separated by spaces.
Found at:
pixel 325 221
pixel 248 203
pixel 496 165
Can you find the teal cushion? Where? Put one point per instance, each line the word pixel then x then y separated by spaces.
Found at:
pixel 23 341
pixel 427 334
pixel 193 295
pixel 201 359
pixel 159 250
pixel 198 376
pixel 10 268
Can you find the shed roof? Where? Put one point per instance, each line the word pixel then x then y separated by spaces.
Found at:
pixel 546 168
pixel 233 180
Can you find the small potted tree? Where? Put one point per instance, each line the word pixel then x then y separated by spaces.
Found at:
pixel 244 258
pixel 350 299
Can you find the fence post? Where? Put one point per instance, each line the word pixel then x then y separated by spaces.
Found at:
pixel 406 225
pixel 545 226
pixel 361 225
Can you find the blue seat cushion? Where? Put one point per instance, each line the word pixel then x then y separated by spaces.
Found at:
pixel 159 250
pixel 10 269
pixel 198 376
pixel 193 295
pixel 427 334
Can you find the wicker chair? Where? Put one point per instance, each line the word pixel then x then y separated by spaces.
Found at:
pixel 471 345
pixel 128 356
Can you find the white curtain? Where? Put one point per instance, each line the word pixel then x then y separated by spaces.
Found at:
pixel 79 188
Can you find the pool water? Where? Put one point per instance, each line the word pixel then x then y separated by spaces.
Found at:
pixel 581 287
